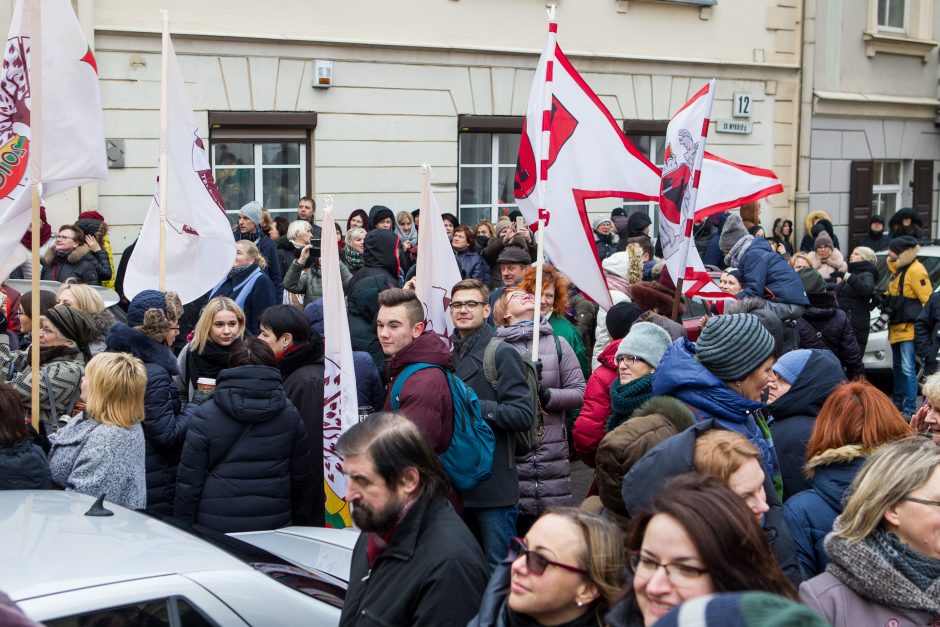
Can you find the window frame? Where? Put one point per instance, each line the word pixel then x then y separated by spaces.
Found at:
pixel 884 28
pixel 879 189
pixel 495 126
pixel 258 167
pixel 655 130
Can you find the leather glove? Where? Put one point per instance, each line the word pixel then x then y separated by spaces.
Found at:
pixel 4 324
pixel 545 396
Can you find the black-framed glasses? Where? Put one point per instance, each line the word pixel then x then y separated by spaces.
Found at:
pixel 457 305
pixel 535 562
pixel 678 574
pixel 629 359
pixel 922 501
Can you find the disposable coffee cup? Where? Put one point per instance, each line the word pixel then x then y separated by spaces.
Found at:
pixel 205 385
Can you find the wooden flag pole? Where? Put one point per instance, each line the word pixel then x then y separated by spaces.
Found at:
pixel 164 143
pixel 35 173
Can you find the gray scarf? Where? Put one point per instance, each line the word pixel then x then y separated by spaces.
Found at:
pixel 737 251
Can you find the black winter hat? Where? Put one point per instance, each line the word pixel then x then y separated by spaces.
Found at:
pixel 74 324
pixel 899 244
pixel 620 318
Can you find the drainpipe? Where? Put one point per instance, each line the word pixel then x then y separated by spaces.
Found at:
pixel 807 71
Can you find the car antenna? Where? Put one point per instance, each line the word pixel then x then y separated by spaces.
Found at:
pixel 98 508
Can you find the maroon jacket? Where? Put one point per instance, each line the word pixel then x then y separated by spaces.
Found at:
pixel 425 397
pixel 591 424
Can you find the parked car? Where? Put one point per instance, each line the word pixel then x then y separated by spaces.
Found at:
pixel 877 358
pixel 64 568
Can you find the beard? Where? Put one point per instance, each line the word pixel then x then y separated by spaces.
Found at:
pixel 372 521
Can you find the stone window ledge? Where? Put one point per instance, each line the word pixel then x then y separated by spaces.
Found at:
pixel 885 43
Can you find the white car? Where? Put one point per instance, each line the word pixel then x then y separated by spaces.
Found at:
pixel 66 568
pixel 877 356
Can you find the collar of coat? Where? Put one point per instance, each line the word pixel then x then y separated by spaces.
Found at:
pixel 833 456
pixel 404 541
pixel 77 254
pixel 907 257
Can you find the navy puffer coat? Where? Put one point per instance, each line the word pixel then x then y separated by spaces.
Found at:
pixel 767 275
pixel 23 466
pixel 246 461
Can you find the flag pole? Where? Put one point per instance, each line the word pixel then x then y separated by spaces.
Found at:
pixel 425 207
pixel 35 172
pixel 164 142
pixel 543 181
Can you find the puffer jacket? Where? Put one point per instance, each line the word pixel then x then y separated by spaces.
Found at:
pixel 674 456
pixel 606 245
pixel 832 267
pixel 807 244
pixel 916 285
pixel 23 466
pixel 767 275
pixel 811 513
pixel 545 473
pixel 246 461
pixel 896 224
pixel 927 334
pixel 379 272
pixel 164 426
pixel 681 375
pixel 854 294
pixel 591 424
pixel 794 415
pixel 81 264
pixel 827 327
pixel 472 266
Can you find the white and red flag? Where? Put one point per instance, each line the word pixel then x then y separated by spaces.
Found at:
pixel 200 248
pixel 727 185
pixel 71 148
pixel 340 401
pixel 586 157
pixel 437 270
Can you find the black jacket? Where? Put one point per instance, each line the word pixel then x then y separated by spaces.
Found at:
pixel 606 245
pixel 164 427
pixel 81 264
pixel 927 334
pixel 286 254
pixel 23 466
pixel 432 573
pixel 825 326
pixel 507 409
pixel 261 481
pixel 674 457
pixel 302 371
pixel 876 241
pixel 854 294
pixel 379 273
pixel 794 415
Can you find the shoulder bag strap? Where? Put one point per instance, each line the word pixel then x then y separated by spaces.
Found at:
pixel 228 453
pixel 489 361
pixel 50 394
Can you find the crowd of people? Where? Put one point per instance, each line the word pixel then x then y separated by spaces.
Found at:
pixel 744 468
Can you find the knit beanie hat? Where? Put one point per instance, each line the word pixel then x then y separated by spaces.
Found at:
pixel 646 341
pixel 790 365
pixel 252 211
pixel 503 223
pixel 73 324
pixel 596 222
pixel 822 239
pixel 620 318
pixel 732 347
pixel 731 233
pixel 899 244
pixel 741 609
pixel 812 280
pixel 148 299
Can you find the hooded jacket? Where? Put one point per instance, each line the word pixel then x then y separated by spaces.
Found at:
pixel 164 427
pixel 246 460
pixel 916 285
pixel 877 241
pixel 673 457
pixel 794 415
pixel 767 275
pixel 897 228
pixel 545 473
pixel 854 294
pixel 378 213
pixel 379 272
pixel 811 513
pixel 807 244
pixel 81 264
pixel 827 327
pixel 779 237
pixel 425 395
pixel 590 425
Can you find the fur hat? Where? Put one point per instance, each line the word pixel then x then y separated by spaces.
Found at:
pixel 646 341
pixel 731 233
pixel 154 313
pixel 252 211
pixel 732 347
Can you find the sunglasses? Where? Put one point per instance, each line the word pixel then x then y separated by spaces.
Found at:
pixel 536 563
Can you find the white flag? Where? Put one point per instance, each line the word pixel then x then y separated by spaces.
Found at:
pixel 437 270
pixel 340 401
pixel 200 247
pixel 587 157
pixel 727 185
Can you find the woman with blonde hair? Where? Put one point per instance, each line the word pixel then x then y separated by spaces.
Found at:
pixel 87 299
pixel 101 450
pixel 352 256
pixel 220 328
pixel 856 290
pixel 247 284
pixel 884 551
pixel 568 570
pixel 803 260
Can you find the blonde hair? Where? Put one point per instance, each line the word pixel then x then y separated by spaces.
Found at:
pixel 810 259
pixel 893 472
pixel 251 249
pixel 86 298
pixel 931 389
pixel 295 228
pixel 720 453
pixel 116 385
pixel 404 217
pixel 353 233
pixel 204 325
pixel 266 220
pixel 866 253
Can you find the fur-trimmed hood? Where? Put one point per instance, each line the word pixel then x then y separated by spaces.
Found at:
pixel 77 254
pixel 103 320
pixel 836 456
pixel 812 217
pixel 125 339
pixel 906 258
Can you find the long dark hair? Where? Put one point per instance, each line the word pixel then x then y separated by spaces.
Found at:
pixel 723 529
pixel 12 416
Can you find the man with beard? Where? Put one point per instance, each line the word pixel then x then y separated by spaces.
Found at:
pixel 415 562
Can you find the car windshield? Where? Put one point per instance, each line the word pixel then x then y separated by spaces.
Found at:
pixel 932 264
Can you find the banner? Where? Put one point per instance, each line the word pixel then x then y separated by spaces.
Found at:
pixel 727 185
pixel 340 401
pixel 200 247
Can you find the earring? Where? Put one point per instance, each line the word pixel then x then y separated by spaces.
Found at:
pixel 580 603
pixel 738 383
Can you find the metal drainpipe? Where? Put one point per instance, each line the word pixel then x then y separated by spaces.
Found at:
pixel 807 71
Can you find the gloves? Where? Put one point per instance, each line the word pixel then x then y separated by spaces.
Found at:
pixel 538 369
pixel 4 324
pixel 545 396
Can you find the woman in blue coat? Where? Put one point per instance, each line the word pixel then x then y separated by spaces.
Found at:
pixel 248 285
pixel 471 263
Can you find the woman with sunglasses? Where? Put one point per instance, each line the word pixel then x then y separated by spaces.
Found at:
pixel 697 538
pixel 568 570
pixel 637 357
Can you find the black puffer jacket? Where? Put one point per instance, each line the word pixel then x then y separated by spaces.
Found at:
pixel 164 426
pixel 825 326
pixel 379 273
pixel 246 461
pixel 927 334
pixel 794 415
pixel 81 264
pixel 23 466
pixel 854 294
pixel 877 241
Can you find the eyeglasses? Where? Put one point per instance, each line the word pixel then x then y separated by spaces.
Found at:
pixel 922 501
pixel 457 305
pixel 47 331
pixel 630 359
pixel 536 563
pixel 678 574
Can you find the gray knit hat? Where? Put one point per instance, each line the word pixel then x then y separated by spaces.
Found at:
pixel 252 211
pixel 731 233
pixel 646 341
pixel 732 347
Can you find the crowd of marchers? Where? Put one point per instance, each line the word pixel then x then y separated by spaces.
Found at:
pixel 745 471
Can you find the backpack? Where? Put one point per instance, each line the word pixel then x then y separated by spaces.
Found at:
pixel 468 459
pixel 527 440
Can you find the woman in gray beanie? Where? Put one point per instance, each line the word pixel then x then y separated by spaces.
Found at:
pixel 723 376
pixel 638 355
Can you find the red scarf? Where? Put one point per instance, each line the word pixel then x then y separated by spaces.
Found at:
pixel 378 542
pixel 287 351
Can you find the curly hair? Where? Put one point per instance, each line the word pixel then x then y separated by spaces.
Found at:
pixel 550 277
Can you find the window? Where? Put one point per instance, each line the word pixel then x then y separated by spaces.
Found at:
pixel 886 187
pixel 157 613
pixel 274 173
pixel 487 174
pixel 892 15
pixel 649 137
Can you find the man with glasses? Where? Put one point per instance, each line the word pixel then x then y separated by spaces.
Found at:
pixel 490 509
pixel 76 256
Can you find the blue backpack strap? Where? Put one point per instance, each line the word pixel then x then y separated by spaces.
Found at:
pixel 410 369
